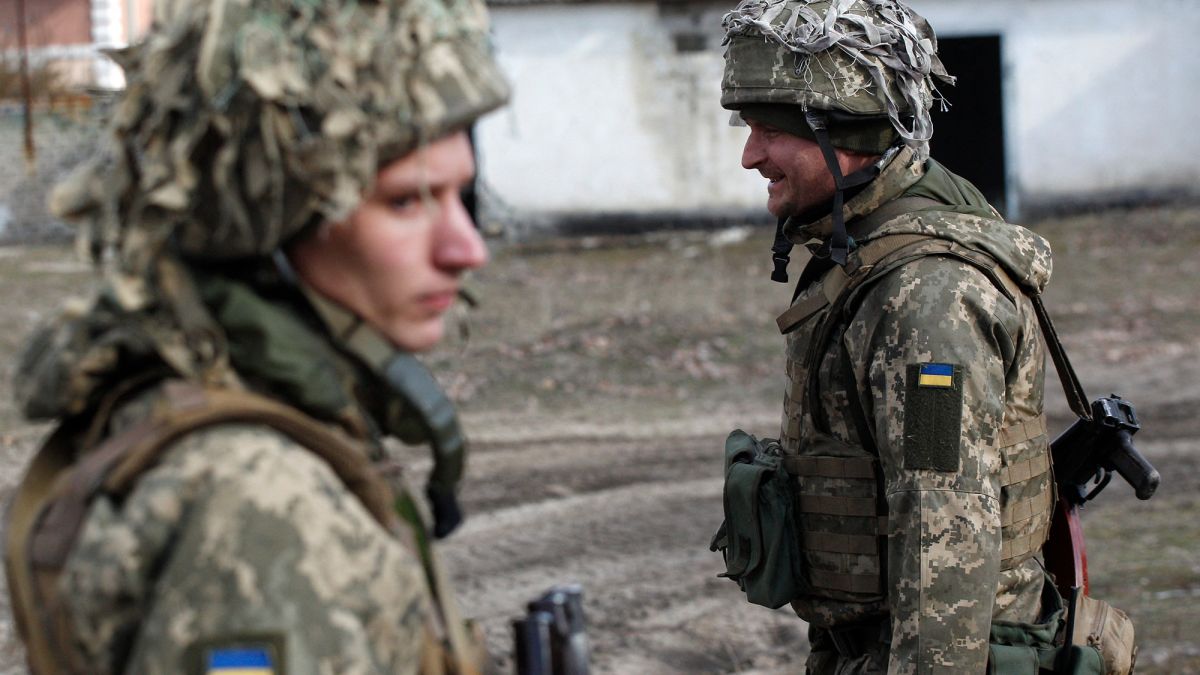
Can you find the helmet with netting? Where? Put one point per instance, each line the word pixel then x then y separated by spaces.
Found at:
pixel 868 65
pixel 246 121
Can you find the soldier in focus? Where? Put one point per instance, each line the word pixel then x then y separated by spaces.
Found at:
pixel 280 228
pixel 913 422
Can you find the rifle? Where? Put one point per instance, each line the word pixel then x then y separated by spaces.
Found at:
pixel 552 638
pixel 1085 457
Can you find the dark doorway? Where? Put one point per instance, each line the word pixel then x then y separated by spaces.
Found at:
pixel 969 138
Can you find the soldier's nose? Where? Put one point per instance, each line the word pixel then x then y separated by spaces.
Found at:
pixel 752 153
pixel 458 246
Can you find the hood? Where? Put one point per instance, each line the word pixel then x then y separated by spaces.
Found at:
pixel 962 215
pixel 227 333
pixel 1024 255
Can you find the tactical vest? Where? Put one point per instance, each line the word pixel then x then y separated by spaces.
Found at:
pixel 52 502
pixel 844 522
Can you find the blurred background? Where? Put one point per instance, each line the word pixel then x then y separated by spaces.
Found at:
pixel 627 320
pixel 615 122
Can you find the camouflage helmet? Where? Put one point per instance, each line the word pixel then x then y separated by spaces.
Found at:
pixel 246 121
pixel 854 59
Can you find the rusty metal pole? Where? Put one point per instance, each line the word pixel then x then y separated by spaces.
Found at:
pixel 26 87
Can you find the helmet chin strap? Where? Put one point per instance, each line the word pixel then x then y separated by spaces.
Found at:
pixel 838 244
pixel 837 247
pixel 408 378
pixel 781 252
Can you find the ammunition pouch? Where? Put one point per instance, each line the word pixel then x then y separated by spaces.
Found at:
pixel 759 538
pixel 1108 630
pixel 1101 642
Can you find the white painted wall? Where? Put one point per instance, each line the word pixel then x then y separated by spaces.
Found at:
pixel 1102 97
pixel 607 117
pixel 108 32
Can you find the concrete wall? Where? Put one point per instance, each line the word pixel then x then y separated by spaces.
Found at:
pixel 608 116
pixel 1102 94
pixel 1101 98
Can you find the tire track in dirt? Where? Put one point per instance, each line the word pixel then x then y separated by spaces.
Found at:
pixel 632 521
pixel 564 467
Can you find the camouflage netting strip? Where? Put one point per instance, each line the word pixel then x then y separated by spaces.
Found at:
pixel 903 43
pixel 244 121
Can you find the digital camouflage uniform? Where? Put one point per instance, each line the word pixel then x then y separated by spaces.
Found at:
pixel 916 538
pixel 952 499
pixel 245 123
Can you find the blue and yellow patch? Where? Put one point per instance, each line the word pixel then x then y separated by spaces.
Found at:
pixel 933 416
pixel 936 375
pixel 239 661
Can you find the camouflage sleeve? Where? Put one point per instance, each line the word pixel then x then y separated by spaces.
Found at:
pixel 241 539
pixel 933 339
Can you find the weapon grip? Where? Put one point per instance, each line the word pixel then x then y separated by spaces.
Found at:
pixel 1133 467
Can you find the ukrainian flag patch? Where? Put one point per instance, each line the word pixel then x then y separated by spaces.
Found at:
pixel 242 660
pixel 936 375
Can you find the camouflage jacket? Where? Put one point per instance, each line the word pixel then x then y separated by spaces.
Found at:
pixel 945 363
pixel 239 539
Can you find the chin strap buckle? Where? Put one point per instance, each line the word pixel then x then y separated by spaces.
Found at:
pixel 781 253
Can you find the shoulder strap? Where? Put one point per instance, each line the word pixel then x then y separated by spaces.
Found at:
pixel 864 267
pixel 890 210
pixel 114 466
pixel 1066 374
pixel 35 628
pixel 839 279
pixel 51 504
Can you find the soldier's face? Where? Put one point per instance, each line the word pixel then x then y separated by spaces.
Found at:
pixel 798 178
pixel 397 259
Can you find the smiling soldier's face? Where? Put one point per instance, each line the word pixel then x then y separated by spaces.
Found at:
pixel 795 167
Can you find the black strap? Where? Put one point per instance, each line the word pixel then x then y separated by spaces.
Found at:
pixel 1066 374
pixel 781 253
pixel 838 243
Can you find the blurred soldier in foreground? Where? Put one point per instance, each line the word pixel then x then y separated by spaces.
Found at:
pixel 913 430
pixel 280 226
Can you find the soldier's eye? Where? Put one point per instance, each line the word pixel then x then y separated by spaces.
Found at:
pixel 403 203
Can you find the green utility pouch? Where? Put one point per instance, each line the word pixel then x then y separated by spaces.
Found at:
pixel 1030 649
pixel 759 536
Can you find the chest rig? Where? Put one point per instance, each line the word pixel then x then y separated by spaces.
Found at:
pixel 840 504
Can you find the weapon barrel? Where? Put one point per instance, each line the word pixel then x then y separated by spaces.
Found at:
pixel 533 638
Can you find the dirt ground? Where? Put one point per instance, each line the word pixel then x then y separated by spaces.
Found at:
pixel 600 377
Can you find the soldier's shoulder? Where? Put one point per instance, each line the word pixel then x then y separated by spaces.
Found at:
pixel 220 451
pixel 202 535
pixel 938 294
pixel 1022 254
pixel 930 282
